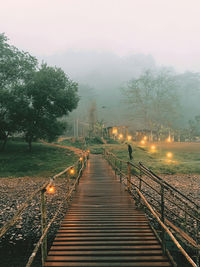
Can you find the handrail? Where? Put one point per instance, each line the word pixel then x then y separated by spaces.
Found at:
pixel 143 177
pixel 43 189
pixel 39 243
pixel 167 230
pixel 170 186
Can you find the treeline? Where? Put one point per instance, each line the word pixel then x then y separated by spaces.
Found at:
pixel 33 98
pixel 154 99
pixel 162 100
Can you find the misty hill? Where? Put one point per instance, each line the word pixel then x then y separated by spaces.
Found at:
pixel 100 76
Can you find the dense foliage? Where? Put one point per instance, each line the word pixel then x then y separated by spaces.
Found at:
pixel 32 98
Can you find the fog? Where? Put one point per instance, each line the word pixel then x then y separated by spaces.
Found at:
pixel 102 76
pixel 103 45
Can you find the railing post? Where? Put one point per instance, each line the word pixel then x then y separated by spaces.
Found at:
pixel 120 176
pixel 44 225
pixel 163 218
pixel 115 167
pixel 185 218
pixel 197 242
pixel 140 184
pixel 68 181
pixel 129 177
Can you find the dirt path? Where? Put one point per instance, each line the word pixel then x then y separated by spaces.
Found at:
pixel 76 150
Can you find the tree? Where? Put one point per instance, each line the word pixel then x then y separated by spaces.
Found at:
pixel 92 118
pixel 16 67
pixel 153 99
pixel 45 98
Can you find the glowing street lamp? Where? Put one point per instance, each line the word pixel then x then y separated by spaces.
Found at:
pixel 153 147
pixel 145 138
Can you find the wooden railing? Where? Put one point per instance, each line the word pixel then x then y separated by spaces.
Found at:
pixel 167 205
pixel 74 171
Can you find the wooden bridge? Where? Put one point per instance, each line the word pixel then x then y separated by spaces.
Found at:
pixel 103 227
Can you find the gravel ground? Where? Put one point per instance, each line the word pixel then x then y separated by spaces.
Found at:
pixel 187 184
pixel 26 232
pixel 14 192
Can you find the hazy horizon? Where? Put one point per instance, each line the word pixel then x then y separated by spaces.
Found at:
pixel 167 30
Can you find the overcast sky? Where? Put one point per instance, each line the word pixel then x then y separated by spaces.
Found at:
pixel 167 29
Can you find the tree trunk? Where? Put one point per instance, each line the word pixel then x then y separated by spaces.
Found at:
pixel 30 144
pixel 4 143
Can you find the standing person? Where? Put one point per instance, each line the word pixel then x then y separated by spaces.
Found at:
pixel 130 150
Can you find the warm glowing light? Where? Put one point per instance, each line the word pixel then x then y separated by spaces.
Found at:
pixel 168 139
pixel 72 171
pixel 81 158
pixel 114 131
pixel 88 151
pixel 153 147
pixel 129 137
pixel 145 138
pixel 169 155
pixel 51 189
pixel 142 142
pixel 120 136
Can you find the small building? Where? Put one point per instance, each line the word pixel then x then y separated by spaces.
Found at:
pixel 116 131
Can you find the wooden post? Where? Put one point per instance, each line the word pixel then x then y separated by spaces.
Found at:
pixel 120 177
pixel 115 167
pixel 140 184
pixel 197 241
pixel 68 181
pixel 185 219
pixel 129 177
pixel 44 225
pixel 163 218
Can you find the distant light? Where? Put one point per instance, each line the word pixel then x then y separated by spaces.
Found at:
pixel 71 171
pixel 153 147
pixel 81 158
pixel 169 155
pixel 51 189
pixel 145 138
pixel 88 151
pixel 142 142
pixel 129 137
pixel 114 131
pixel 120 136
pixel 169 139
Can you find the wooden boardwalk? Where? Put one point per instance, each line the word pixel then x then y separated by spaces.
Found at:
pixel 102 227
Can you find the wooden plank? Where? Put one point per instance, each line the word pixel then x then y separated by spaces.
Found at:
pixel 106 264
pixel 123 258
pixel 103 228
pixel 145 247
pixel 108 242
pixel 105 252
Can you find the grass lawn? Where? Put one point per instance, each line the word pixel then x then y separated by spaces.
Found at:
pixel 185 156
pixel 43 161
